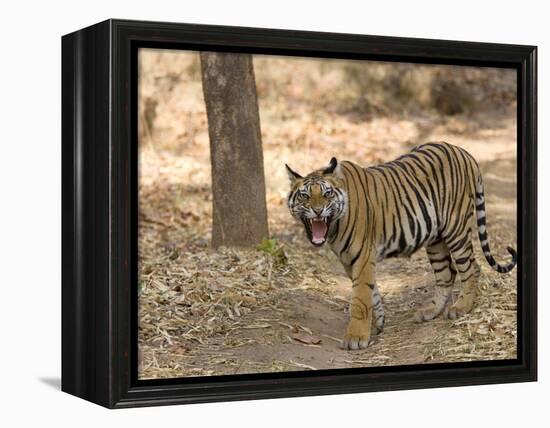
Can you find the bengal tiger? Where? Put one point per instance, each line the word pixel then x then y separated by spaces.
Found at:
pixel 425 198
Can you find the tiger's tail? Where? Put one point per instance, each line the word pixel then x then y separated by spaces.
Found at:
pixel 482 230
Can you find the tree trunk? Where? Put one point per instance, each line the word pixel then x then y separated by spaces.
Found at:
pixel 238 183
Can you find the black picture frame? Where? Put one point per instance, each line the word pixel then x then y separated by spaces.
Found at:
pixel 99 205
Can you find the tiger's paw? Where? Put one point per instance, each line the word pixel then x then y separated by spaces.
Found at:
pixel 460 308
pixel 456 311
pixel 453 313
pixel 357 334
pixel 426 313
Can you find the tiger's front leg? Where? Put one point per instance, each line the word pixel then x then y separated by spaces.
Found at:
pixel 359 328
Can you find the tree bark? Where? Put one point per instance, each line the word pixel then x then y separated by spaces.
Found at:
pixel 238 182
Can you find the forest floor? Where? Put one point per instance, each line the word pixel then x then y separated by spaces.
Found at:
pixel 229 311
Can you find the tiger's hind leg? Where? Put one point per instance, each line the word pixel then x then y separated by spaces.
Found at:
pixel 445 274
pixel 469 273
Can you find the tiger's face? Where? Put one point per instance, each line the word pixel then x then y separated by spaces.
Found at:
pixel 317 200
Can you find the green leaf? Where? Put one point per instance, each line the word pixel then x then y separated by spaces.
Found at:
pixel 273 249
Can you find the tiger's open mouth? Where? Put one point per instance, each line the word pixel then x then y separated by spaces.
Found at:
pixel 317 229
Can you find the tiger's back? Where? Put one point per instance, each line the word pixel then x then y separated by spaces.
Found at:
pixel 412 201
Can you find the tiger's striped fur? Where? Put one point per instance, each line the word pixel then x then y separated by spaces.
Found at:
pixel 426 198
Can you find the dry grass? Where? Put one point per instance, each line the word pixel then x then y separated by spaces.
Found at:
pixel 205 312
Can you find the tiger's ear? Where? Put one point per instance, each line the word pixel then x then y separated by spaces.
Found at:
pixel 332 166
pixel 292 175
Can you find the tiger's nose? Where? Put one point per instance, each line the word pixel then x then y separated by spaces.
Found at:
pixel 318 211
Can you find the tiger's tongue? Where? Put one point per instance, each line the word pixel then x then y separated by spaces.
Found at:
pixel 318 230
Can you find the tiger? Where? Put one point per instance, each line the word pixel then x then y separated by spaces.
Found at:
pixel 425 198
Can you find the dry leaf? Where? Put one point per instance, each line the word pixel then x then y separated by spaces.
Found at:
pixel 307 339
